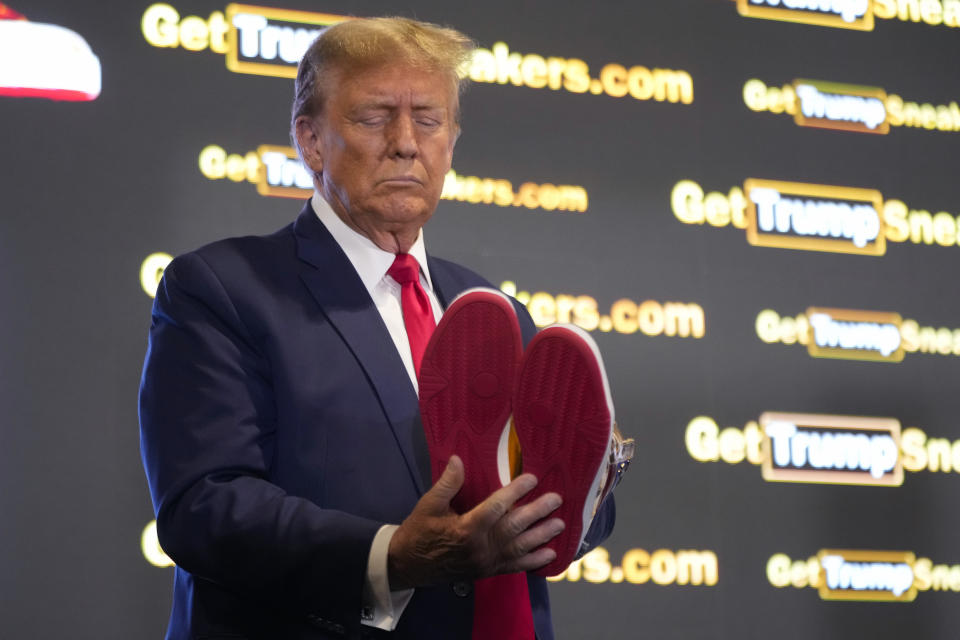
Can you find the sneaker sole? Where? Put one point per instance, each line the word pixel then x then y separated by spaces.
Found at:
pixel 563 414
pixel 466 382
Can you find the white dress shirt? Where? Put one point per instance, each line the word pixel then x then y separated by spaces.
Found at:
pixel 381 607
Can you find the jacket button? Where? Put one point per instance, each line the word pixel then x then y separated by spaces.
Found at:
pixel 462 589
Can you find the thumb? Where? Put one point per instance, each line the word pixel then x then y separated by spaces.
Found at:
pixel 449 482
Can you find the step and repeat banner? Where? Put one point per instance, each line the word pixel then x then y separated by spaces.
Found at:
pixel 752 205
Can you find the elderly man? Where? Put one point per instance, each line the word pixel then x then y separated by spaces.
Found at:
pixel 279 417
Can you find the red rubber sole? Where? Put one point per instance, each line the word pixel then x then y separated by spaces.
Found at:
pixel 563 420
pixel 466 381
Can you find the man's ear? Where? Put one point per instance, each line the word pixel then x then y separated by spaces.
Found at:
pixel 308 139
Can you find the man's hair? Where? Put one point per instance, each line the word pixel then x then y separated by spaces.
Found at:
pixel 355 45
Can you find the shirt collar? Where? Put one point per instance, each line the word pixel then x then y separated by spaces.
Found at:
pixel 370 261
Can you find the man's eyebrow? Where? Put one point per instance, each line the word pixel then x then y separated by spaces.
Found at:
pixel 375 103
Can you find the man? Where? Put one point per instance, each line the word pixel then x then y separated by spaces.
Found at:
pixel 279 413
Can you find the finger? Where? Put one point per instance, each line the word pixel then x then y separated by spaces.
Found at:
pixel 521 518
pixel 486 514
pixel 532 561
pixel 449 482
pixel 533 538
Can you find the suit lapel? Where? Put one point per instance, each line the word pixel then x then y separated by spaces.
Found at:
pixel 443 285
pixel 335 285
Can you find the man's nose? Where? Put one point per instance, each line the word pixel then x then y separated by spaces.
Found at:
pixel 403 138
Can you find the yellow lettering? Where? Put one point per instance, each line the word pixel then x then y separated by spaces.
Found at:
pixel 151 271
pixel 542 309
pixel 555 67
pixel 912 443
pixel 150 546
pixel 938 454
pixel 663 567
pixel 576 76
pixel 623 314
pixel 931 12
pixel 613 77
pixel 641 84
pixel 921 573
pixel 895 221
pixel 732 445
pixel 673 86
pixel 885 9
pixel 194 34
pixel 585 314
pixel 755 95
pixel 650 318
pixel 213 162
pixel 768 326
pixel 636 566
pixel 944 229
pixel 753 438
pixel 701 439
pixel 738 208
pixel 895 115
pixel 717 209
pixel 921 227
pixel 778 570
pixel 596 565
pixel 533 70
pixel 683 319
pixel 910 335
pixel 565 305
pixel 696 567
pixel 686 199
pixel 159 25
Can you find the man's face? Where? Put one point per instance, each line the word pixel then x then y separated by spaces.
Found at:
pixel 383 144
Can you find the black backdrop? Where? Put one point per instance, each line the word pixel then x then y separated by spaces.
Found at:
pixel 90 189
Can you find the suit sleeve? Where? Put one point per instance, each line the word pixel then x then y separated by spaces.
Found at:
pixel 208 430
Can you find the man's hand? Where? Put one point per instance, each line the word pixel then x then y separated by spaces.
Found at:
pixel 436 544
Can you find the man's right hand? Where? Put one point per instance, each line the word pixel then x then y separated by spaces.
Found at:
pixel 435 544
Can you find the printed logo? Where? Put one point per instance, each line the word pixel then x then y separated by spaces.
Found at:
pixel 277 171
pixel 662 567
pixel 854 14
pixel 270 42
pixel 707 442
pixel 857 335
pixel 831 449
pixel 846 14
pixel 846 574
pixel 282 174
pixel 885 576
pixel 814 217
pixel 45 61
pixel 847 107
pixel 852 334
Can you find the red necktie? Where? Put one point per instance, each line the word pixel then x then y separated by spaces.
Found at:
pixel 417 311
pixel 501 608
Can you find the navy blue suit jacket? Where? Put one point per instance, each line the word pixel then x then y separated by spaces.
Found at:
pixel 277 425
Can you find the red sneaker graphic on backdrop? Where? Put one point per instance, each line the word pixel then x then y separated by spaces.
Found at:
pixel 466 382
pixel 563 414
pixel 45 61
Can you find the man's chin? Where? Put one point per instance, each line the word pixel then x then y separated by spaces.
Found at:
pixel 403 211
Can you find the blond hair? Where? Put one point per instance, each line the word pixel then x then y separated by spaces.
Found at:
pixel 354 45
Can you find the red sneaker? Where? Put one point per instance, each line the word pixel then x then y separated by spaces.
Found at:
pixel 466 382
pixel 563 415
